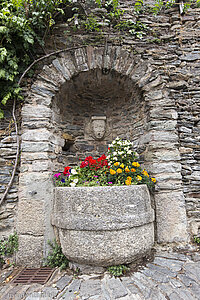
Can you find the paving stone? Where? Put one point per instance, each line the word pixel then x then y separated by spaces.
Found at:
pixel 155 275
pixel 129 284
pixel 105 293
pixel 174 265
pixel 72 290
pixel 49 292
pixel 11 292
pixel 175 283
pixel 195 257
pixel 193 270
pixel 63 282
pixel 177 256
pixel 185 294
pixel 90 288
pixel 154 282
pixel 166 288
pixel 116 287
pixel 186 280
pixel 195 289
pixel 174 296
pixel 148 288
pixel 161 269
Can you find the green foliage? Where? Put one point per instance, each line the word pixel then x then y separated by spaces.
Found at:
pixel 197 239
pixel 138 7
pixel 8 247
pixel 55 256
pixel 23 25
pixel 92 24
pixel 134 28
pixel 118 270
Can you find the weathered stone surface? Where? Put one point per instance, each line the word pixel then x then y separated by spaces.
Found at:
pixel 163 95
pixel 104 225
pixel 116 288
pixel 30 217
pixel 30 252
pixel 171 217
pixel 104 248
pixel 102 208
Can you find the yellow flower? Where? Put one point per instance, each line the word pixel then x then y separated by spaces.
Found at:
pixel 133 170
pixel 129 178
pixel 116 164
pixel 119 170
pixel 127 169
pixel 153 179
pixel 145 173
pixel 112 172
pixel 135 164
pixel 139 177
pixel 122 166
pixel 128 182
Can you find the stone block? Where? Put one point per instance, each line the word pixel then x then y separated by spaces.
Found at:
pixel 171 217
pixel 61 69
pixel 36 112
pixel 30 252
pixel 36 146
pixel 35 185
pixel 30 217
pixel 41 134
pixel 104 226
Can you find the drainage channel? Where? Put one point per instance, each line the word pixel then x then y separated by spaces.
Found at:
pixel 28 276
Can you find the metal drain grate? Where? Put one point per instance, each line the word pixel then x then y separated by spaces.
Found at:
pixel 27 276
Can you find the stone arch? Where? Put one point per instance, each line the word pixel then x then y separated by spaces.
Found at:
pixel 42 141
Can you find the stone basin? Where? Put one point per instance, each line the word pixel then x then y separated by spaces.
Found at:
pixel 104 225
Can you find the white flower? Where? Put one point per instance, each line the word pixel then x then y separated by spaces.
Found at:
pixel 72 184
pixel 114 158
pixel 73 172
pixel 75 180
pixel 114 153
pixel 129 152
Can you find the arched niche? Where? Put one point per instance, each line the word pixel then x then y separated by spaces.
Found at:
pixel 89 99
pixel 78 85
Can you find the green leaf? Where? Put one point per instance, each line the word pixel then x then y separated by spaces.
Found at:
pixel 1 114
pixel 2 73
pixel 3 54
pixel 6 98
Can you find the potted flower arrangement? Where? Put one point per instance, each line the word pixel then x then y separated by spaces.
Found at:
pixel 102 208
pixel 118 167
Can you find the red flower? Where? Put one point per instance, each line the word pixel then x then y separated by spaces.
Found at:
pixel 83 164
pixel 67 170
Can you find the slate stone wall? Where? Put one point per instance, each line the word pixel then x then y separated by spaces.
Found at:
pixel 166 67
pixel 7 158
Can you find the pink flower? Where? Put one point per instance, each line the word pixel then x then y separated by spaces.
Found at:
pixel 57 175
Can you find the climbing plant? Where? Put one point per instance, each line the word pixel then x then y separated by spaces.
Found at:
pixel 23 24
pixel 26 23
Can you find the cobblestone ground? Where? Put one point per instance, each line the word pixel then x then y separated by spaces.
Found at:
pixel 171 276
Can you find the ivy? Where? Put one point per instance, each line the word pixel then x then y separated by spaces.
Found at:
pixel 24 24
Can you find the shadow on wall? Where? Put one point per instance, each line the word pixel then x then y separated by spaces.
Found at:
pixel 92 99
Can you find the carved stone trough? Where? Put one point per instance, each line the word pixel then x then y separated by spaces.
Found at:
pixel 103 226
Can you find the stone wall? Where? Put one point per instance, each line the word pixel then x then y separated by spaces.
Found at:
pixel 7 158
pixel 159 80
pixel 96 94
